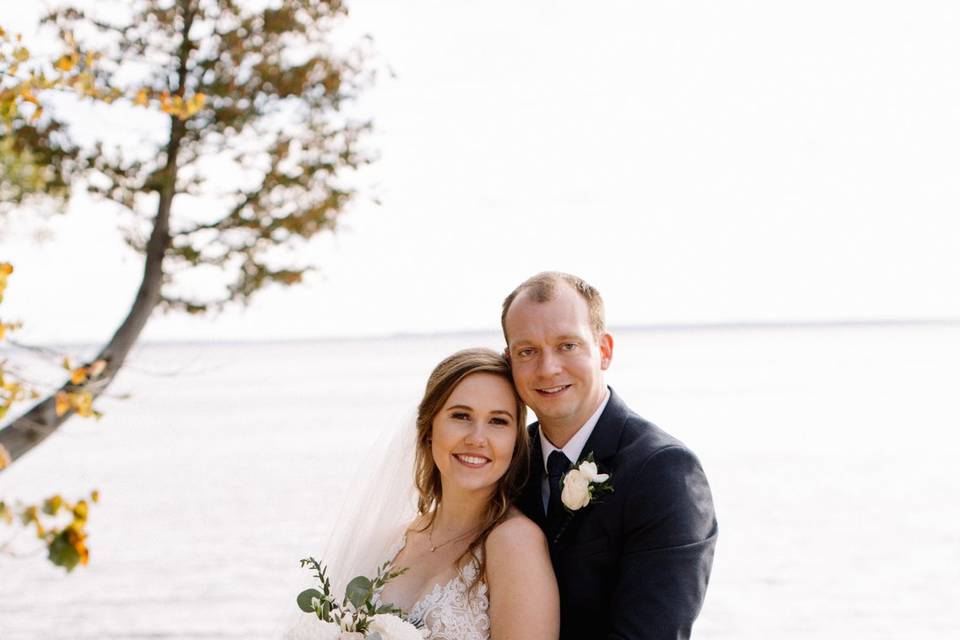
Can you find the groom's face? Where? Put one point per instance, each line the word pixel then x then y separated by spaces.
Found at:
pixel 557 361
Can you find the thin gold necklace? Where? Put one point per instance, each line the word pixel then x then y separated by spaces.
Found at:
pixel 434 547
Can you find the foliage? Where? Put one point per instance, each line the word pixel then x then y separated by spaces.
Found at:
pixel 257 94
pixel 360 602
pixel 65 539
pixel 34 155
pixel 65 542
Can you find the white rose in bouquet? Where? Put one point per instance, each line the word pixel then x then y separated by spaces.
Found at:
pixel 319 630
pixel 391 627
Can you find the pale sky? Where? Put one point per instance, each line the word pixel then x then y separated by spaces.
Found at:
pixel 696 161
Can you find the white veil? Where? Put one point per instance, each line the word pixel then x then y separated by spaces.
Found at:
pixel 379 503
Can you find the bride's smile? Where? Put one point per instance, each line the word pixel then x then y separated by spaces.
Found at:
pixel 474 433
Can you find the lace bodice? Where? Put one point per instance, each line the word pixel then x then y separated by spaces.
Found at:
pixel 451 611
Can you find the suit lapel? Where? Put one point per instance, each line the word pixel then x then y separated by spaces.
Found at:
pixel 603 443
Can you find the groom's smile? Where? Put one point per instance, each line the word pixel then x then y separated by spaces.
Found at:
pixel 553 391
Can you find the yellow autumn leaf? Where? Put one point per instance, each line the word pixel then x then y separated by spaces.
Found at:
pixel 37 113
pixel 52 505
pixel 95 496
pixel 5 458
pixel 78 375
pixel 80 510
pixel 29 515
pixel 6 268
pixel 194 105
pixel 142 98
pixel 66 63
pixel 62 403
pixel 66 364
pixel 82 403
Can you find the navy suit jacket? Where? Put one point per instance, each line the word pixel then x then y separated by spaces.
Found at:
pixel 633 565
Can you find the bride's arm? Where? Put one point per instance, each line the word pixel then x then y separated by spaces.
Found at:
pixel 524 601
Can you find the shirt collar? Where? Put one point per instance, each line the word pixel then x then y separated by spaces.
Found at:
pixel 575 445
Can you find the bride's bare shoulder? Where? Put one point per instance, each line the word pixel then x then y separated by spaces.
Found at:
pixel 517 533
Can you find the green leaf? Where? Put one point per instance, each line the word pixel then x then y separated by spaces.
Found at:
pixel 305 599
pixel 62 553
pixel 359 590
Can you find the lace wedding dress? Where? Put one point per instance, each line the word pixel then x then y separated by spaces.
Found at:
pixel 451 611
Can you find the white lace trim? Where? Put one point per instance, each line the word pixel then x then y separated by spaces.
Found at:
pixel 452 611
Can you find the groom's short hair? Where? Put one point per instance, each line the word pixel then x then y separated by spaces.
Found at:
pixel 543 288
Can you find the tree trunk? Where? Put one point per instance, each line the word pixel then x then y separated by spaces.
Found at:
pixel 33 427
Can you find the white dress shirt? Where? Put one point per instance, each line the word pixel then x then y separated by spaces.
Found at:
pixel 572 449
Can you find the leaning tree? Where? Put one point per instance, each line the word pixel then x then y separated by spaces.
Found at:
pixel 247 155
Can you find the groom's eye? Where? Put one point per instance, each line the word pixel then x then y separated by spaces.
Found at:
pixel 568 346
pixel 523 353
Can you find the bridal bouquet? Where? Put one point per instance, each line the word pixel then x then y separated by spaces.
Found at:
pixel 360 615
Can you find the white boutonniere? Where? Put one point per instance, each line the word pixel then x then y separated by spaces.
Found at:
pixel 582 484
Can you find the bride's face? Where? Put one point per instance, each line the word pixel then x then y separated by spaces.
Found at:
pixel 474 433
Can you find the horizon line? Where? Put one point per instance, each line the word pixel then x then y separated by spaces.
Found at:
pixel 658 327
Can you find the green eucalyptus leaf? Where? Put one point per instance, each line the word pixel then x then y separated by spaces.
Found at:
pixel 358 590
pixel 305 599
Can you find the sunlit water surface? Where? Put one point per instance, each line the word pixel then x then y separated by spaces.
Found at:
pixel 832 455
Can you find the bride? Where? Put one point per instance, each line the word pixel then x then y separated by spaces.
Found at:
pixel 476 568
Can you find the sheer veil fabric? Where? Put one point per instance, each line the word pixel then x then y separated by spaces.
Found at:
pixel 377 505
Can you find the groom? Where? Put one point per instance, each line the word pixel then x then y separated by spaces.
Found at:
pixel 632 563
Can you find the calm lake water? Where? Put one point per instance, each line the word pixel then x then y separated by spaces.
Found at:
pixel 832 454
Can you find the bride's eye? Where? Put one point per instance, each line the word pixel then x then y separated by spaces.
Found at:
pixel 460 415
pixel 500 421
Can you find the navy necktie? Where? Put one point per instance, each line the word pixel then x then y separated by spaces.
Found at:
pixel 557 465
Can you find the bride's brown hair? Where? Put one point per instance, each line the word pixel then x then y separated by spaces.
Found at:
pixel 441 383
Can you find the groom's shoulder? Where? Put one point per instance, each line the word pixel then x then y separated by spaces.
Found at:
pixel 639 434
pixel 642 441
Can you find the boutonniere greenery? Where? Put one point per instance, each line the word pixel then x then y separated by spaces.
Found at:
pixel 583 484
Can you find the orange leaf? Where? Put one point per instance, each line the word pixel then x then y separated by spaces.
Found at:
pixel 65 63
pixel 62 403
pixel 78 375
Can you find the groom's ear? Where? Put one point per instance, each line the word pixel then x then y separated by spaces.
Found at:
pixel 606 350
pixel 506 353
